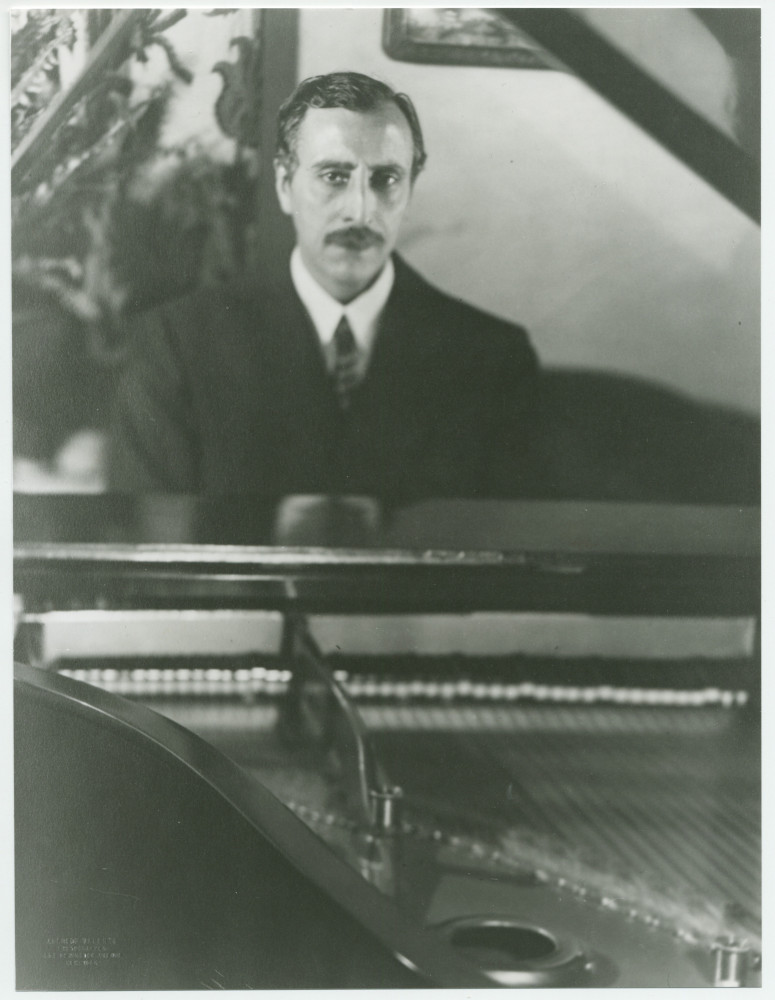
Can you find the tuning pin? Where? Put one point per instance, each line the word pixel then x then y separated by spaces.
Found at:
pixel 731 962
pixel 386 809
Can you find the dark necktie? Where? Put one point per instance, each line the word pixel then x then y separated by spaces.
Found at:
pixel 345 371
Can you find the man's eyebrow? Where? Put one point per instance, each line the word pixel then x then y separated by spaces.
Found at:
pixel 333 165
pixel 346 165
pixel 398 167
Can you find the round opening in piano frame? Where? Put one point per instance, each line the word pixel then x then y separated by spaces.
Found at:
pixel 512 953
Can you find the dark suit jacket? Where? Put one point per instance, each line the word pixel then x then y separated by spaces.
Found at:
pixel 228 393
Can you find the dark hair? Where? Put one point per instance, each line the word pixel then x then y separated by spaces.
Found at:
pixel 353 91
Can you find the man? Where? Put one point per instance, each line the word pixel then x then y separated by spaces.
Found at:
pixel 351 376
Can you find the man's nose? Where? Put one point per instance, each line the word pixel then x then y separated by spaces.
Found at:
pixel 360 200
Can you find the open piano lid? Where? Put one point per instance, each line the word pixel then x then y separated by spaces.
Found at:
pixel 590 44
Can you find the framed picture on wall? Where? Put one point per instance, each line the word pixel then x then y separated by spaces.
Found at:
pixel 457 36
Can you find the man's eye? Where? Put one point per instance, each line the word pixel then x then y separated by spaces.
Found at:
pixel 383 182
pixel 335 177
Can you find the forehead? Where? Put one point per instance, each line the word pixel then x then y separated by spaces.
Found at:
pixel 374 137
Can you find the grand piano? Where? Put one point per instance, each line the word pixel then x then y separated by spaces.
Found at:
pixel 338 743
pixel 528 759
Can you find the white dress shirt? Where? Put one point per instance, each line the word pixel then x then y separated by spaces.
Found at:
pixel 362 313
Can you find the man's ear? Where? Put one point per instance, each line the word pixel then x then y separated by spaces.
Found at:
pixel 282 182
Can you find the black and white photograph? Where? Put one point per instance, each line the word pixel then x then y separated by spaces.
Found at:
pixel 386 435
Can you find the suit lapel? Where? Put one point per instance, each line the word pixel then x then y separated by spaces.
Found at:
pixel 391 424
pixel 289 346
pixel 406 341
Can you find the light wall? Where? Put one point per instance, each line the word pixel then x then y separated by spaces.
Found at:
pixel 544 205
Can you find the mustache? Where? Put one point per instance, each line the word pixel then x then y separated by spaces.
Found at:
pixel 354 238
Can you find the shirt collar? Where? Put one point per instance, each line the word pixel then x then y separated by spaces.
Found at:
pixel 362 313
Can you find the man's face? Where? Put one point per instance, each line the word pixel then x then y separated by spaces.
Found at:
pixel 348 193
